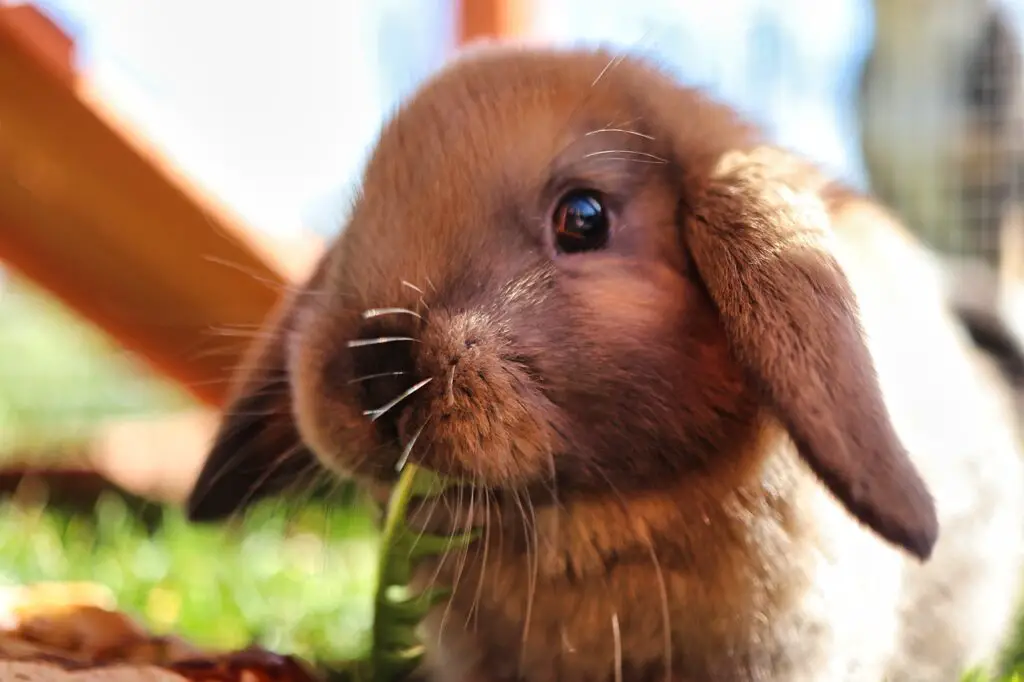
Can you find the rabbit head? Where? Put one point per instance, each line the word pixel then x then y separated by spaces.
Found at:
pixel 563 269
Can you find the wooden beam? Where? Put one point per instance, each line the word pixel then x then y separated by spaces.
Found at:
pixel 487 19
pixel 99 218
pixel 93 214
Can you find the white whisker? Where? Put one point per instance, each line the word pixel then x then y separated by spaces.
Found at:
pixel 407 450
pixel 616 635
pixel 381 411
pixel 619 130
pixel 633 152
pixel 378 375
pixel 413 287
pixel 609 66
pixel 665 618
pixel 356 343
pixel 633 160
pixel 377 312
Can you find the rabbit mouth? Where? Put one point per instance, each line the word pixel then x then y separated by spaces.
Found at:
pixel 449 390
pixel 491 432
pixel 463 508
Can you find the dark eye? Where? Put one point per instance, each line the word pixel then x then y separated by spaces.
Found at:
pixel 580 222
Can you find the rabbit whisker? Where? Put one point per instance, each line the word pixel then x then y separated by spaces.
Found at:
pixel 432 583
pixel 556 536
pixel 617 638
pixel 662 586
pixel 634 152
pixel 417 290
pixel 533 562
pixel 407 450
pixel 633 160
pixel 619 130
pixel 377 312
pixel 413 287
pixel 665 618
pixel 424 525
pixel 357 343
pixel 615 61
pixel 378 375
pixel 458 525
pixel 238 267
pixel 268 474
pixel 475 609
pixel 381 411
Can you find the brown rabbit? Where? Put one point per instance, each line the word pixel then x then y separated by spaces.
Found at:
pixel 680 373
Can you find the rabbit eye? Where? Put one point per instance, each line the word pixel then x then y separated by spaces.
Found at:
pixel 580 222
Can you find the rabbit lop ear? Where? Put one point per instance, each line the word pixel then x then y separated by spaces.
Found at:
pixel 793 322
pixel 257 450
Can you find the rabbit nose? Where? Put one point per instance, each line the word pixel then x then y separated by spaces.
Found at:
pixel 384 369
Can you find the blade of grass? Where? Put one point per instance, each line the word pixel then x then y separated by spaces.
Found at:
pixel 396 649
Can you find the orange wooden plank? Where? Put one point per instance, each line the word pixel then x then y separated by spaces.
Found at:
pixel 485 19
pixel 98 218
pixel 105 224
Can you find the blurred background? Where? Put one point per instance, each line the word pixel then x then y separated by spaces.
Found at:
pixel 166 169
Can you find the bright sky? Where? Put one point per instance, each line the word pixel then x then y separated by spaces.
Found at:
pixel 274 108
pixel 272 112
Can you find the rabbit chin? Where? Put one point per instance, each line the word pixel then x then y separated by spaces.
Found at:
pixel 517 452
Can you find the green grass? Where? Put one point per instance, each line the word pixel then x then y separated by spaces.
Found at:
pixel 300 582
pixel 319 584
pixel 297 583
pixel 59 376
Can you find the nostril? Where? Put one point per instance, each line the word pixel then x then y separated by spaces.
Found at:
pixel 380 390
pixel 383 363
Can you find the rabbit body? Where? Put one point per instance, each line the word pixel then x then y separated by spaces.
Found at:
pixel 718 420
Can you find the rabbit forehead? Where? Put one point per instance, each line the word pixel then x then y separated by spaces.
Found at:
pixel 466 171
pixel 499 120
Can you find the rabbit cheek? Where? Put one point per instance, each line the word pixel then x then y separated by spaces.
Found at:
pixel 325 398
pixel 664 394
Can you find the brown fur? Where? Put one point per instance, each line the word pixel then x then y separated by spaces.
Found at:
pixel 678 446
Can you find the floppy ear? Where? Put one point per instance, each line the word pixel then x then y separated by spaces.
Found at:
pixel 792 320
pixel 257 450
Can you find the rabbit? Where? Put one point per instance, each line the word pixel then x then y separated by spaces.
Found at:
pixel 707 405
